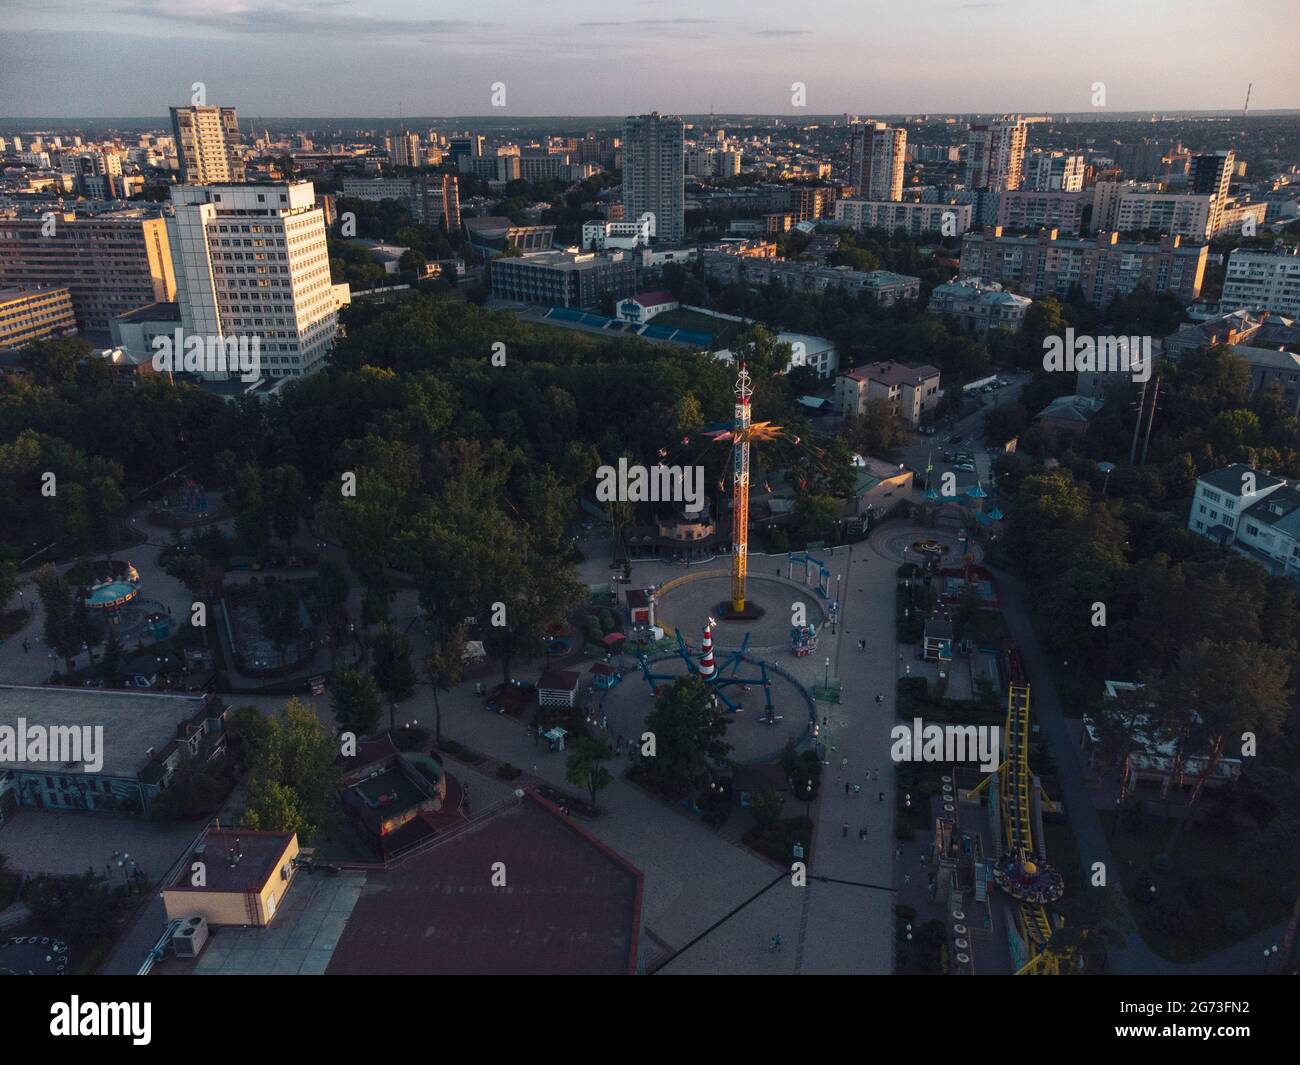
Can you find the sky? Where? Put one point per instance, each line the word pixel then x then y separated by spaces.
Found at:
pixel 340 58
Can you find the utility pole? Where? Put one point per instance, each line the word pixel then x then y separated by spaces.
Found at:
pixel 1155 399
pixel 1137 425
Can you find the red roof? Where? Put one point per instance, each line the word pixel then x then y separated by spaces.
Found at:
pixel 653 299
pixel 573 906
pixel 565 680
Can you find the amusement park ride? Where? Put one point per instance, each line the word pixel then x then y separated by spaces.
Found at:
pixel 1022 870
pixel 718 678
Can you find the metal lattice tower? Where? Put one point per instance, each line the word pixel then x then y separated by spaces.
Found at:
pixel 740 503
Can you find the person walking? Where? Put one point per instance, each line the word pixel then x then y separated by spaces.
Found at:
pixel 25 646
pixel 844 830
pixel 846 787
pixel 882 796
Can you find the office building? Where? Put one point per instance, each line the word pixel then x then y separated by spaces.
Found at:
pixel 654 174
pixel 585 280
pixel 209 146
pixel 1045 264
pixel 110 263
pixel 251 261
pixel 732 264
pixel 876 155
pixel 1210 174
pixel 995 154
pixel 27 315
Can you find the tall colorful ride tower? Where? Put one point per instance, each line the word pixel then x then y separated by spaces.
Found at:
pixel 740 502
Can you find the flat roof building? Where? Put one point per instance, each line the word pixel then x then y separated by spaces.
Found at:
pixel 110 263
pixel 28 315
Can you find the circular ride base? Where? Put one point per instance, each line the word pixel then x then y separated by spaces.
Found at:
pixel 724 612
pixel 628 703
pixel 689 606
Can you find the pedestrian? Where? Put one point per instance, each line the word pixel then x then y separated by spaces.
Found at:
pixel 882 796
pixel 857 789
pixel 862 834
pixel 534 769
pixel 845 763
pixel 24 647
pixel 846 787
pixel 879 698
pixel 604 721
pixel 844 829
pixel 907 878
pixel 898 853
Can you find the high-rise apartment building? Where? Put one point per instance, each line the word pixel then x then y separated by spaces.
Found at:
pixel 251 261
pixel 654 174
pixel 110 263
pixel 876 155
pixel 209 146
pixel 1055 172
pixel 1210 175
pixel 994 155
pixel 404 150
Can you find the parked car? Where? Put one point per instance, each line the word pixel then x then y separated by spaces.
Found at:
pixel 965 467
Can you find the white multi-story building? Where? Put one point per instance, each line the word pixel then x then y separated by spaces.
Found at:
pixel 251 261
pixel 1055 171
pixel 1185 215
pixel 1264 280
pixel 912 219
pixel 627 235
pixel 1252 512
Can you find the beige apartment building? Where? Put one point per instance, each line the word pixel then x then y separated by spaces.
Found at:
pixel 28 315
pixel 209 146
pixel 110 263
pixel 912 391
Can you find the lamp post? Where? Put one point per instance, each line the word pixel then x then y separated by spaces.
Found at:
pixel 1268 955
pixel 826 681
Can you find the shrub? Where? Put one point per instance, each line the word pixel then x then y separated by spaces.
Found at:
pixel 508 772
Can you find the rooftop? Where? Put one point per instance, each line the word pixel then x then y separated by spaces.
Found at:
pixel 134 723
pixel 1231 479
pixel 235 859
pixel 893 373
pixel 572 905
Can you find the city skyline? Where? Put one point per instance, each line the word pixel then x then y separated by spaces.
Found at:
pixel 288 59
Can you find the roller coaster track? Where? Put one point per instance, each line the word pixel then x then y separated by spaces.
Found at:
pixel 1015 802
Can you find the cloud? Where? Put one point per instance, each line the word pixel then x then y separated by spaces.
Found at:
pixel 652 22
pixel 781 33
pixel 322 19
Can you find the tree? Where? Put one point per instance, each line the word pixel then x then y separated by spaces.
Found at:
pixel 444 667
pixel 8 582
pixel 355 701
pixel 585 767
pixel 293 781
pixel 689 734
pixel 60 625
pixel 392 669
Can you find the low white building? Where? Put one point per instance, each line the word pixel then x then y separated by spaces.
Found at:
pixel 1252 512
pixel 628 236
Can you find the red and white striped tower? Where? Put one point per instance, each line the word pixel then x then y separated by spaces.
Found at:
pixel 707 668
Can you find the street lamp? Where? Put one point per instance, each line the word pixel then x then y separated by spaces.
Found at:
pixel 1105 468
pixel 827 678
pixel 1268 954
